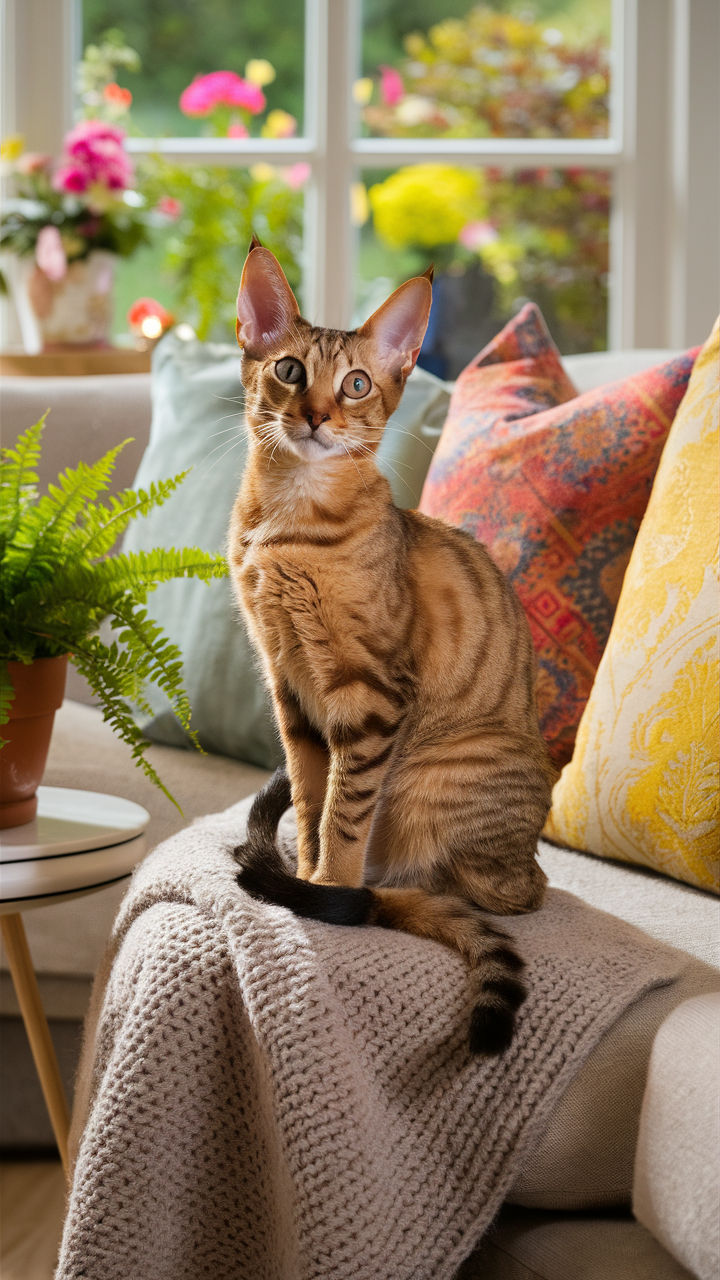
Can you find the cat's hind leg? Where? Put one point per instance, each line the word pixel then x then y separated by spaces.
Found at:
pixel 464 819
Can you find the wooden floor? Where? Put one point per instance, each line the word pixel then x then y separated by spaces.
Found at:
pixel 32 1203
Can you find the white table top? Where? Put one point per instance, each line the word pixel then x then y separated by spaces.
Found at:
pixel 78 842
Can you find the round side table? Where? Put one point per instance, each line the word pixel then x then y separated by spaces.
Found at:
pixel 79 842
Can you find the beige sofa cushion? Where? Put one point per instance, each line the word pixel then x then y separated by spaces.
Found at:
pixel 525 1245
pixel 677 1174
pixel 586 1156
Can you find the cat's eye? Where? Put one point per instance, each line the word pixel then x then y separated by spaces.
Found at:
pixel 356 384
pixel 290 370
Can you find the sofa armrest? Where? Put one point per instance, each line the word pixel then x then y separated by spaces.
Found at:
pixel 676 1189
pixel 88 415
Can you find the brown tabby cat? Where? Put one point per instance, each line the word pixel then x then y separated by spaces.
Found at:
pixel 398 658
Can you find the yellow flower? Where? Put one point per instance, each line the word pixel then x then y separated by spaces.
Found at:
pixel 426 205
pixel 362 91
pixel 279 124
pixel 450 38
pixel 262 173
pixel 260 72
pixel 12 147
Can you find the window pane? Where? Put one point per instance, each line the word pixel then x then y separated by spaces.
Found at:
pixel 497 239
pixel 438 69
pixel 177 43
pixel 194 262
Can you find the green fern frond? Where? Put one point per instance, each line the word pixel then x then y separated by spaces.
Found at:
pixel 19 479
pixel 104 524
pixel 159 660
pixel 74 600
pixel 44 525
pixel 94 662
pixel 164 563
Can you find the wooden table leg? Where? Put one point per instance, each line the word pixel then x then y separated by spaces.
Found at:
pixel 43 1051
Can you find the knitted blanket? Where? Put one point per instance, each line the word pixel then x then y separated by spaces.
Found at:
pixel 267 1098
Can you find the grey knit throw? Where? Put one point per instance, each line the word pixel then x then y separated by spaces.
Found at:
pixel 266 1098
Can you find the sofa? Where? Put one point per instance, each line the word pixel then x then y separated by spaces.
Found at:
pixel 623 1180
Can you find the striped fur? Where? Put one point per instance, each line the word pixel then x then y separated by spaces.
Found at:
pixel 399 659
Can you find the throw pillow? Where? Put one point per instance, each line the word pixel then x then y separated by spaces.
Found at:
pixel 198 423
pixel 555 484
pixel 642 785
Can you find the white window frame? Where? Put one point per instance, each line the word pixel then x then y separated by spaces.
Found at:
pixel 662 152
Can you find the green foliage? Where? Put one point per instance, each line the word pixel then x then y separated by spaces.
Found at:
pixel 541 233
pixel 99 66
pixel 205 248
pixel 179 41
pixel 61 579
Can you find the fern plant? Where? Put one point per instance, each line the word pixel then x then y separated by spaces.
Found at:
pixel 60 579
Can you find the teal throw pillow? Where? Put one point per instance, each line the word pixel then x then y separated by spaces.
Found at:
pixel 197 422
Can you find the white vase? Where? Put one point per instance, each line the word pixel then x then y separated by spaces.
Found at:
pixel 73 312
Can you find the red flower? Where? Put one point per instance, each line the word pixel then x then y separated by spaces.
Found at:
pixel 144 309
pixel 117 97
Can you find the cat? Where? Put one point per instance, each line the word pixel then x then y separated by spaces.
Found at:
pixel 398 658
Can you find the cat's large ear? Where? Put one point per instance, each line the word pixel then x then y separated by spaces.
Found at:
pixel 398 327
pixel 266 305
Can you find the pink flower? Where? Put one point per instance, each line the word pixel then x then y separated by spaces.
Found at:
pixel 237 131
pixel 169 207
pixel 477 235
pixel 249 96
pixel 221 89
pixel 94 154
pixel 50 254
pixel 70 177
pixel 297 175
pixel 392 88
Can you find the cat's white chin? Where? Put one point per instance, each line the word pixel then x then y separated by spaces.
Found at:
pixel 313 448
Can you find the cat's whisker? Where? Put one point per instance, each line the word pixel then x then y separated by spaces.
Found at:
pixel 358 444
pixel 354 463
pixel 226 431
pixel 230 399
pixel 272 455
pixel 223 443
pixel 391 426
pixel 228 449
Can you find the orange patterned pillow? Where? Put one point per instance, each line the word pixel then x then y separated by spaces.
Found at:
pixel 555 484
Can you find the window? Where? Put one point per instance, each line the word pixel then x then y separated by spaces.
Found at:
pixel 651 166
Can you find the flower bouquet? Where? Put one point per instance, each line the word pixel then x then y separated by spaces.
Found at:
pixel 69 220
pixel 61 232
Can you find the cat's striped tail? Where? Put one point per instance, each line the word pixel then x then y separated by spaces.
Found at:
pixel 493 962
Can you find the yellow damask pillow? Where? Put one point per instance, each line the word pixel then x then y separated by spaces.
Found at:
pixel 642 785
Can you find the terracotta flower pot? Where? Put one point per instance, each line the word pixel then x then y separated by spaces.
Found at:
pixel 39 690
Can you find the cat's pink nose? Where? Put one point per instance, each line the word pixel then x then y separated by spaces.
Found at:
pixel 314 420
